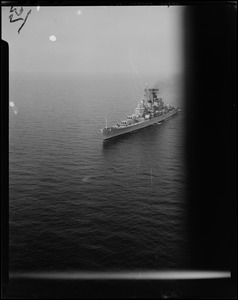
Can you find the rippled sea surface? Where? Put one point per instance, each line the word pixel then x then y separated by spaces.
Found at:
pixel 77 203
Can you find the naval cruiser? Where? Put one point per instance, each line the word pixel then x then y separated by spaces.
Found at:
pixel 149 111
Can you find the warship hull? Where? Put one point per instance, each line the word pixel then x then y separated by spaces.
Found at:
pixel 112 132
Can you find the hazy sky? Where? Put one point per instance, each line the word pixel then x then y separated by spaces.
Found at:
pixel 143 39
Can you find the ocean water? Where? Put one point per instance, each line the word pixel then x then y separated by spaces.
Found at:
pixel 78 204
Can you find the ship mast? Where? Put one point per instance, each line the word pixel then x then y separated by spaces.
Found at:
pixel 146 91
pixel 106 120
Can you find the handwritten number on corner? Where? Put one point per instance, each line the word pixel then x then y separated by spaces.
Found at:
pixel 18 14
pixel 15 11
pixel 24 21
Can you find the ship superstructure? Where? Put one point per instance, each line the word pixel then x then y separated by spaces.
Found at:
pixel 150 110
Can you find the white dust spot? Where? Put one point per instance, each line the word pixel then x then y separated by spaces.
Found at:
pixel 11 103
pixel 52 38
pixel 79 12
pixel 38 8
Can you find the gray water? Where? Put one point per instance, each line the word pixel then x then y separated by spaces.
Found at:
pixel 77 203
